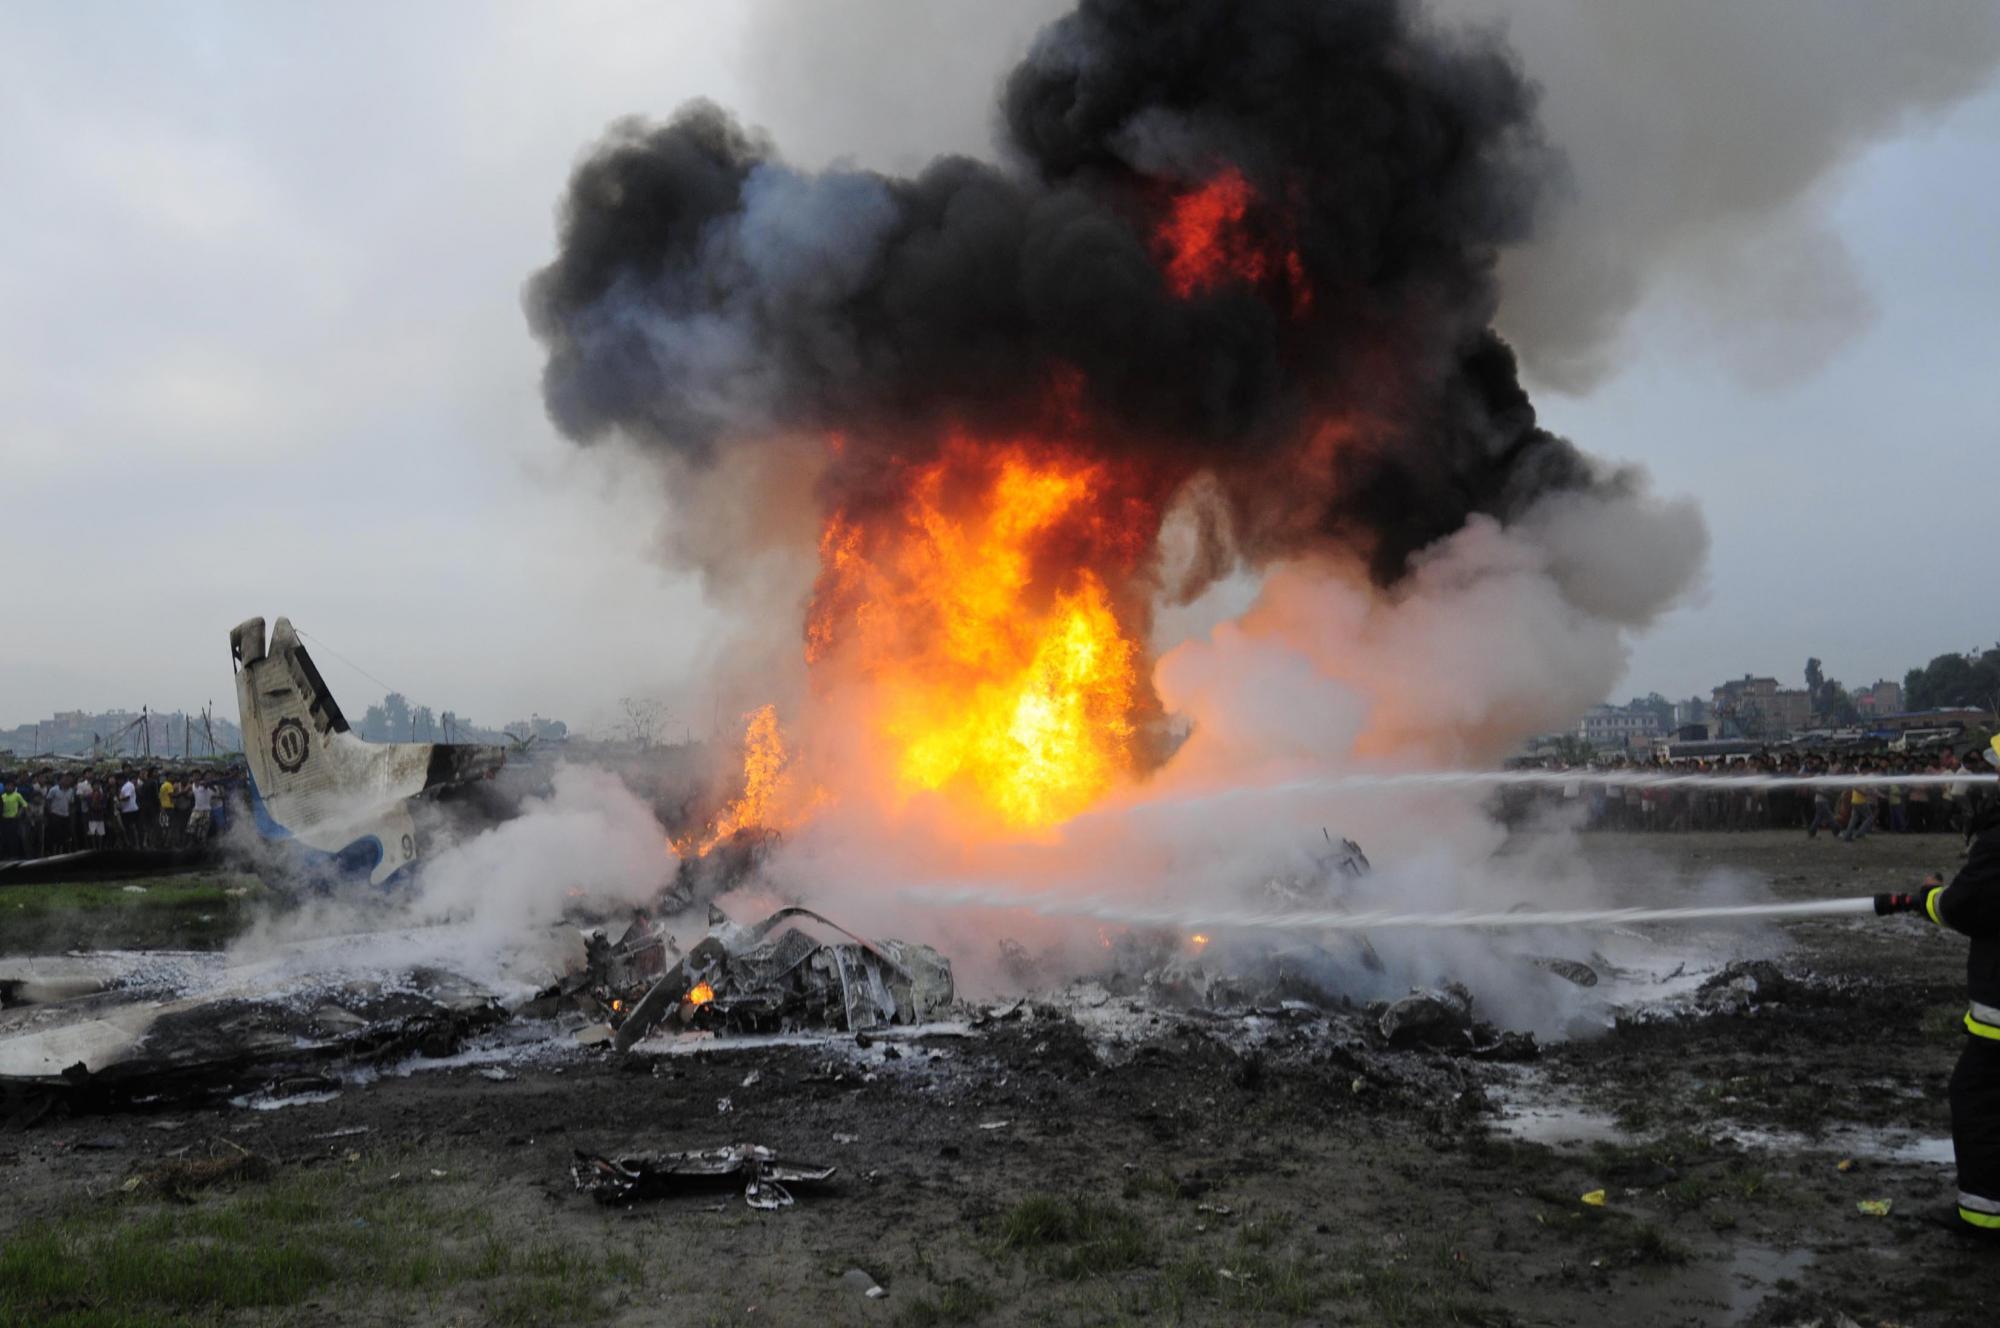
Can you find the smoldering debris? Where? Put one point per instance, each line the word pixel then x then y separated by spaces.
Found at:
pixel 304 1023
pixel 631 1177
pixel 132 1047
pixel 778 976
pixel 148 1032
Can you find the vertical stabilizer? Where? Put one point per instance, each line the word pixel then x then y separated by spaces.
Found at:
pixel 317 783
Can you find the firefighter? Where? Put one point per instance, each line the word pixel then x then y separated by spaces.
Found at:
pixel 1971 904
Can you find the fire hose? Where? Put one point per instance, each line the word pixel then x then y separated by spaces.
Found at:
pixel 1196 916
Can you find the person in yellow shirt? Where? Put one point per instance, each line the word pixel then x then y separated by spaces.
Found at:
pixel 166 813
pixel 13 821
pixel 1861 816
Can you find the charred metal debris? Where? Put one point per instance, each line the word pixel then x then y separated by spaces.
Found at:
pixel 764 1176
pixel 123 1043
pixel 794 970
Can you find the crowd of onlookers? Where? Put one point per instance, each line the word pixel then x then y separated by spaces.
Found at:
pixel 49 811
pixel 1846 811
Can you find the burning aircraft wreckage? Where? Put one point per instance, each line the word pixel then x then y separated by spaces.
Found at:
pixel 1231 297
pixel 298 1022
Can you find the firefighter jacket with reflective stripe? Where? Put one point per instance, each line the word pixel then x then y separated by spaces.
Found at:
pixel 1971 904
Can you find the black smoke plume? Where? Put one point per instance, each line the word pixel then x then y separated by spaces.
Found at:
pixel 1348 388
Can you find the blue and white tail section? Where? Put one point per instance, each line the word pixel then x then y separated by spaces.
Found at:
pixel 342 803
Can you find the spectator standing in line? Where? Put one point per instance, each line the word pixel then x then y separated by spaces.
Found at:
pixel 1822 816
pixel 128 810
pixel 58 821
pixel 201 811
pixel 96 804
pixel 149 807
pixel 1958 796
pixel 13 819
pixel 1862 811
pixel 165 820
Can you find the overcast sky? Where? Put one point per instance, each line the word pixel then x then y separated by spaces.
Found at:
pixel 262 352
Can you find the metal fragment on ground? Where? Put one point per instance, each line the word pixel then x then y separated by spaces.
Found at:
pixel 634 1176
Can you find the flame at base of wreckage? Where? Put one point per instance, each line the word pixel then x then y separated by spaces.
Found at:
pixel 1221 316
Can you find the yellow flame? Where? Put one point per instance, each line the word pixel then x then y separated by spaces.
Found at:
pixel 700 994
pixel 993 682
pixel 766 786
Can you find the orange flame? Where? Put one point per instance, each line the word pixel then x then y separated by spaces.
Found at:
pixel 700 994
pixel 767 787
pixel 1001 672
pixel 1210 236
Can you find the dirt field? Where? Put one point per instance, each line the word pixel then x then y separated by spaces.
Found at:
pixel 1015 1177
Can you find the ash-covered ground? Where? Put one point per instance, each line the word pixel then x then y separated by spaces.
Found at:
pixel 1090 1161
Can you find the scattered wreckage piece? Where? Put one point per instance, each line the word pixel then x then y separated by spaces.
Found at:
pixel 1573 971
pixel 1441 1019
pixel 611 975
pixel 777 976
pixel 635 1176
pixel 119 1049
pixel 1437 1018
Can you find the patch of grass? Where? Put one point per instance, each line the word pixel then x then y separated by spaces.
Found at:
pixel 1290 1287
pixel 304 1235
pixel 191 911
pixel 1073 1236
pixel 544 1298
pixel 1152 1185
pixel 54 1269
pixel 1264 1232
pixel 956 1302
pixel 1397 1297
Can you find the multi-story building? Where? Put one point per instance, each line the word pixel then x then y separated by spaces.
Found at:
pixel 1790 710
pixel 1754 707
pixel 1609 726
pixel 1880 698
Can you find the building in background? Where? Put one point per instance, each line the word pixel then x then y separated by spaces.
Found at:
pixel 1609 727
pixel 1881 698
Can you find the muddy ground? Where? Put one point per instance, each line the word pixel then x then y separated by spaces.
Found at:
pixel 1022 1176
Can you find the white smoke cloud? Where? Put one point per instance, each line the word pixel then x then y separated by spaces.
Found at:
pixel 591 845
pixel 1498 633
pixel 490 907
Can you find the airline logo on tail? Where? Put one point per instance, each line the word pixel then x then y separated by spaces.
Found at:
pixel 344 802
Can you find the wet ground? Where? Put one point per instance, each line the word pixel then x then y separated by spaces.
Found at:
pixel 1706 1166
